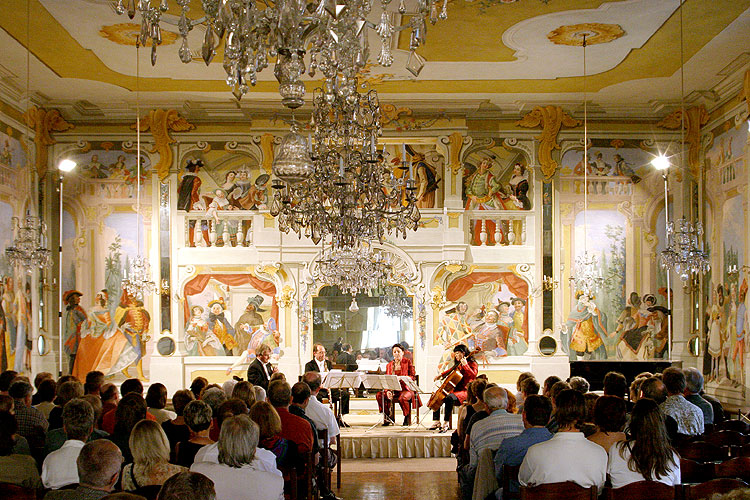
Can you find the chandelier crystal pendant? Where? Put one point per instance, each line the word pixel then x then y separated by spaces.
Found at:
pixel 588 277
pixel 360 268
pixel 340 189
pixel 333 32
pixel 137 280
pixel 683 252
pixel 28 250
pixel 395 303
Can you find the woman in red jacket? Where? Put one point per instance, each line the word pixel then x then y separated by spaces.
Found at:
pixel 399 366
pixel 464 363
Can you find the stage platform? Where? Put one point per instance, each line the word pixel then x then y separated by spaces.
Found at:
pixel 367 438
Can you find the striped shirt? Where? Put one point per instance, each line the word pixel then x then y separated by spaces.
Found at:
pixel 490 432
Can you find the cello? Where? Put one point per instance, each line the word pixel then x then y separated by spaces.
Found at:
pixel 449 384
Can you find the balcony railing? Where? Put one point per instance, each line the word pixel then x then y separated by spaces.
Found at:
pixel 497 227
pixel 604 185
pixel 224 229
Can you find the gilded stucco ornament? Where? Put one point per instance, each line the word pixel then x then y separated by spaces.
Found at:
pixel 160 122
pixel 571 34
pixel 126 34
pixel 551 119
pixel 43 122
pixel 695 118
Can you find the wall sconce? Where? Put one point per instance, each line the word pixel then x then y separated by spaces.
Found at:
pixel 164 287
pixel 549 283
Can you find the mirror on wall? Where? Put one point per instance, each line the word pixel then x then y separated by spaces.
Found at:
pixel 42 346
pixel 166 345
pixel 547 345
pixel 371 325
pixel 694 345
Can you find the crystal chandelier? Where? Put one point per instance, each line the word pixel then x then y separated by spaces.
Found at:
pixel 340 188
pixel 353 270
pixel 28 250
pixel 137 280
pixel 334 32
pixel 683 253
pixel 395 303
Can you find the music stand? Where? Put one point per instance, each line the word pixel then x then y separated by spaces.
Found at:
pixel 412 386
pixel 341 380
pixel 381 383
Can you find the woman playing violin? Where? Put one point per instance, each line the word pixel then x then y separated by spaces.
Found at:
pixel 465 364
pixel 399 366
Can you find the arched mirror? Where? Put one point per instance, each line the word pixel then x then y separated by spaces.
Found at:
pixel 370 322
pixel 694 345
pixel 547 345
pixel 42 346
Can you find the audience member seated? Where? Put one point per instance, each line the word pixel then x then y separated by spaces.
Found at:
pixel 536 413
pixel 197 386
pixel 94 382
pixel 38 379
pixel 130 386
pixel 615 384
pixel 548 383
pixel 609 417
pixel 215 397
pixel 552 394
pixel 529 387
pixel 45 395
pixel 654 388
pixel 319 413
pixel 568 455
pixel 130 411
pixel 481 412
pixel 688 416
pixel 98 466
pixel 6 378
pixel 300 400
pixel 579 384
pixel 176 429
pixel 270 427
pixel 646 454
pixel 70 389
pixel 198 417
pixel 57 437
pixel 588 427
pixel 693 388
pixel 236 475
pixel 187 485
pixel 210 453
pixel 718 409
pixel 150 449
pixel 293 428
pixel 15 468
pixel 110 396
pixel 31 423
pixel 489 433
pixel 156 400
pixel 59 468
pixel 21 446
pixel 244 391
pixel 519 389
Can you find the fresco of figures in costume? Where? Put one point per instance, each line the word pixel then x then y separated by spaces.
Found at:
pixel 230 315
pixel 214 180
pixel 487 311
pixel 496 178
pixel 107 170
pixel 424 165
pixel 110 331
pixel 726 322
pixel 624 161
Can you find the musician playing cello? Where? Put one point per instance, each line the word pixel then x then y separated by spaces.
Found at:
pixel 465 364
pixel 399 366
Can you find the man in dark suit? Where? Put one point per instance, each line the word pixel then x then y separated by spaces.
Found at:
pixel 319 363
pixel 260 370
pixel 347 358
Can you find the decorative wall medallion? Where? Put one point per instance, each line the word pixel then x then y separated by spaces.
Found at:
pixel 126 33
pixel 572 34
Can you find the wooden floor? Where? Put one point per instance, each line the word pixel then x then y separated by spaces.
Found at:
pixel 401 485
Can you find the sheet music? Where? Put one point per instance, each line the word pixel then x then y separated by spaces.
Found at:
pixel 411 384
pixel 385 382
pixel 341 380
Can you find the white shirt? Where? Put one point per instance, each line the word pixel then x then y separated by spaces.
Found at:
pixel 322 416
pixel 59 468
pixel 264 459
pixel 162 415
pixel 568 456
pixel 244 482
pixel 621 475
pixel 321 365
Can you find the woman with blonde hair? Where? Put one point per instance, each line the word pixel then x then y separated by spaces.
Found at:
pixel 150 448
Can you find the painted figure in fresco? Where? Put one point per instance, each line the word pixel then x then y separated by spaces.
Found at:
pixel 483 192
pixel 587 327
pixel 11 318
pixel 716 322
pixel 427 180
pixel 257 195
pixel 454 328
pixel 242 185
pixel 6 157
pixel 23 328
pixel 229 183
pixel 519 187
pixel 75 319
pixel 599 166
pixel 729 334
pixel 264 334
pixel 220 326
pixel 489 335
pixel 632 341
pixel 134 323
pixel 93 337
pixel 623 168
pixel 3 338
pixel 199 341
pixel 95 169
pixel 517 344
pixel 188 194
pixel 249 319
pixel 738 353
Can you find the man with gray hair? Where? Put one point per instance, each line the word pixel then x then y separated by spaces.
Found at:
pixel 187 485
pixel 99 466
pixel 236 476
pixel 579 384
pixel 319 413
pixel 31 422
pixel 693 387
pixel 59 468
pixel 489 433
